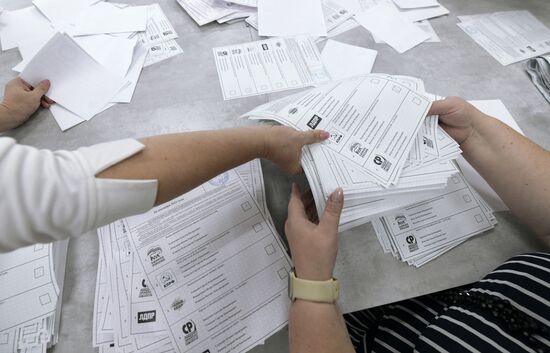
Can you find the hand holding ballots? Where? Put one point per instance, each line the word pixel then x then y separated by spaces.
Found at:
pixel 389 157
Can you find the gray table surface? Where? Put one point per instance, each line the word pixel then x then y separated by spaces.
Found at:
pixel 183 94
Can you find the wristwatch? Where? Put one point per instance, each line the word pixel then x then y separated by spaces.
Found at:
pixel 313 291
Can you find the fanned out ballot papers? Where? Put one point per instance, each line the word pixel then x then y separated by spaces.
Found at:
pixel 509 36
pixel 205 272
pixel 270 65
pixel 30 297
pixel 539 71
pixel 92 51
pixel 383 151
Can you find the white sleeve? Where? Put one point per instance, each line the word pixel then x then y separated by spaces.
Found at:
pixel 47 196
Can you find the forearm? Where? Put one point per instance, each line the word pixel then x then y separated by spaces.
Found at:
pixel 181 162
pixel 516 168
pixel 317 328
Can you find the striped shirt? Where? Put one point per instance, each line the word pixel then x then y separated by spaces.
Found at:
pixel 424 324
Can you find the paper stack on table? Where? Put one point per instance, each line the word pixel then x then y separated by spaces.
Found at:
pixel 539 70
pixel 91 51
pixel 509 36
pixel 31 293
pixel 201 273
pixel 383 150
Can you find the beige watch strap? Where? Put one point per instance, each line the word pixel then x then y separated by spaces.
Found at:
pixel 315 291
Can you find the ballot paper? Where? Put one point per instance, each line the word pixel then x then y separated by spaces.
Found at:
pixel 162 51
pixel 269 65
pixel 127 315
pixel 79 83
pixel 104 17
pixel 424 230
pixel 32 283
pixel 290 18
pixel 344 60
pixel 539 70
pixel 159 29
pixel 206 11
pixel 509 36
pixel 392 27
pixel 373 121
pixel 220 284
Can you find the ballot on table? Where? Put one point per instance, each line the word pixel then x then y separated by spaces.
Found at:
pixel 509 36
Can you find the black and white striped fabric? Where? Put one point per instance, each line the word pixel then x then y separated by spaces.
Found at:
pixel 425 325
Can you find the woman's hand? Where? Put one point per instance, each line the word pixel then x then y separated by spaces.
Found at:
pixel 457 117
pixel 313 247
pixel 21 101
pixel 283 145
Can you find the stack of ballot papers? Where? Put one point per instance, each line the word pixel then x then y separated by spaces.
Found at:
pixel 509 36
pixel 383 150
pixel 205 272
pixel 91 51
pixel 539 70
pixel 30 297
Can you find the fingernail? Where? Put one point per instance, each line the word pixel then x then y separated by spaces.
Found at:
pixel 46 83
pixel 337 195
pixel 324 135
